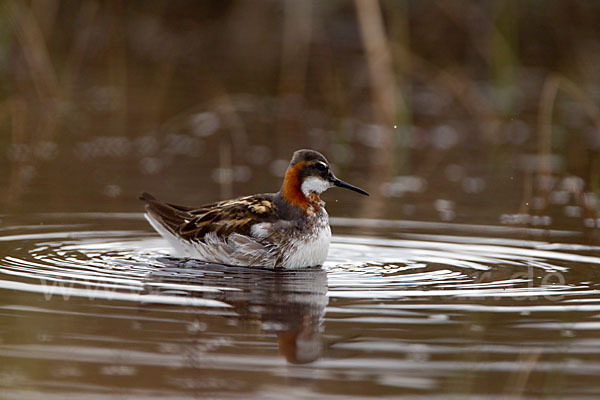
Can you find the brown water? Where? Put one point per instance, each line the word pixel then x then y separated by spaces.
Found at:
pixel 92 307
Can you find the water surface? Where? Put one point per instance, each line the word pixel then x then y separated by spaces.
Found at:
pixel 92 306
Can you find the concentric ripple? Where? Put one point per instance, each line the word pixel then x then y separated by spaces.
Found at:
pixel 399 312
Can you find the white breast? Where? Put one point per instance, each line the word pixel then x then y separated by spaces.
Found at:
pixel 311 250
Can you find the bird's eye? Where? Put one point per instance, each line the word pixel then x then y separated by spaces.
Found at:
pixel 321 166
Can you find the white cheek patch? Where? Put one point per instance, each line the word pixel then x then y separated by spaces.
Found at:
pixel 314 184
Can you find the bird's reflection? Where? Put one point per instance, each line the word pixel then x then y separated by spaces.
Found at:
pixel 290 304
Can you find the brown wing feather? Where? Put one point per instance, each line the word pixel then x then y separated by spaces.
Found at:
pixel 223 218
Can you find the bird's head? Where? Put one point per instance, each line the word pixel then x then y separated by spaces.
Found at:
pixel 309 175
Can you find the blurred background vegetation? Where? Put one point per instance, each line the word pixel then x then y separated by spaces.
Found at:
pixel 457 111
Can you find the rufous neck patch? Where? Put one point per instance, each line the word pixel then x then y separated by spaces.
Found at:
pixel 315 201
pixel 292 192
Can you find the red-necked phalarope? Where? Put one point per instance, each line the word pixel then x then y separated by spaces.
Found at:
pixel 287 229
